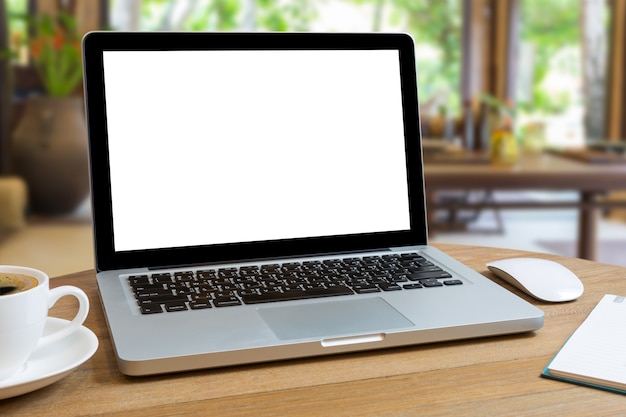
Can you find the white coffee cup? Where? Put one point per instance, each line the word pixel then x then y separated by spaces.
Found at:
pixel 23 315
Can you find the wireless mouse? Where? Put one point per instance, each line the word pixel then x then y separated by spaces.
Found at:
pixel 540 278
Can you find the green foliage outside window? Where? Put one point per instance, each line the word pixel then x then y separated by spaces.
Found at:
pixel 434 24
pixel 551 26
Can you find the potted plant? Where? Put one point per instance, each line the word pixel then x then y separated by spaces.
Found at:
pixel 49 143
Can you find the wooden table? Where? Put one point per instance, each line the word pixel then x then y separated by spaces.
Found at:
pixel 489 376
pixel 542 171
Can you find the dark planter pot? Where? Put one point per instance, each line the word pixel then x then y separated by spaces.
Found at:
pixel 49 151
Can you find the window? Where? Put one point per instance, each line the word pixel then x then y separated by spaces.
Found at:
pixel 434 24
pixel 562 69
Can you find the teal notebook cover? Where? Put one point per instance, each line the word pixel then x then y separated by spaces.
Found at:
pixel 546 374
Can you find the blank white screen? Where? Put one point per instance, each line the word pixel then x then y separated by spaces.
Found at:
pixel 210 147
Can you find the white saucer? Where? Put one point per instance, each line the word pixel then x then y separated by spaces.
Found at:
pixel 48 365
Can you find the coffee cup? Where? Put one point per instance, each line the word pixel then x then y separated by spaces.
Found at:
pixel 25 298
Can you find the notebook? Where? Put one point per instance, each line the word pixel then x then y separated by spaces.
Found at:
pixel 295 158
pixel 594 355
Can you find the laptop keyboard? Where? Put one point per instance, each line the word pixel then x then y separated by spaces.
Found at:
pixel 224 287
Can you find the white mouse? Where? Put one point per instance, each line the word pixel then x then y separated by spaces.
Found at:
pixel 540 278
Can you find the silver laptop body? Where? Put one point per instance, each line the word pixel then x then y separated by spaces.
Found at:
pixel 217 154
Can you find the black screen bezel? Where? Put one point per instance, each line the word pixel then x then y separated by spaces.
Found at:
pixel 108 259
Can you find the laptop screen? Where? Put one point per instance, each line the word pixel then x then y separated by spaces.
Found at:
pixel 216 147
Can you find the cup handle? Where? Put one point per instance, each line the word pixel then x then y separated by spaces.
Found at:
pixel 53 296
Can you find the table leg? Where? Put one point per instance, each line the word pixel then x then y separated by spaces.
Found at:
pixel 587 226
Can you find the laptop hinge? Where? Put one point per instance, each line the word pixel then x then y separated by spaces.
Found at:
pixel 256 260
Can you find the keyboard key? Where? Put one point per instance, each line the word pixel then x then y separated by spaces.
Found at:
pixel 431 283
pixel 390 287
pixel 175 306
pixel 429 275
pixel 161 279
pixel 428 268
pixel 365 289
pixel 184 291
pixel 146 287
pixel 207 274
pixel 453 282
pixel 199 304
pixel 226 301
pixel 160 299
pixel 150 293
pixel 151 309
pixel 138 279
pixel 399 278
pixel 412 286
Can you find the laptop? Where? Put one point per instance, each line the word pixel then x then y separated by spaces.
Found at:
pixel 260 197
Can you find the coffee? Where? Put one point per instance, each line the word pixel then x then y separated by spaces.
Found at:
pixel 13 283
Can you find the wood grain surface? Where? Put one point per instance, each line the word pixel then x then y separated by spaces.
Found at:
pixel 488 376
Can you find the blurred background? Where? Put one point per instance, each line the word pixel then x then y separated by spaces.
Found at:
pixel 550 71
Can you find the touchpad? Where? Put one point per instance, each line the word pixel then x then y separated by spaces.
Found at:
pixel 333 318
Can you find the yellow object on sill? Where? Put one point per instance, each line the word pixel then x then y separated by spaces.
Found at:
pixel 503 147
